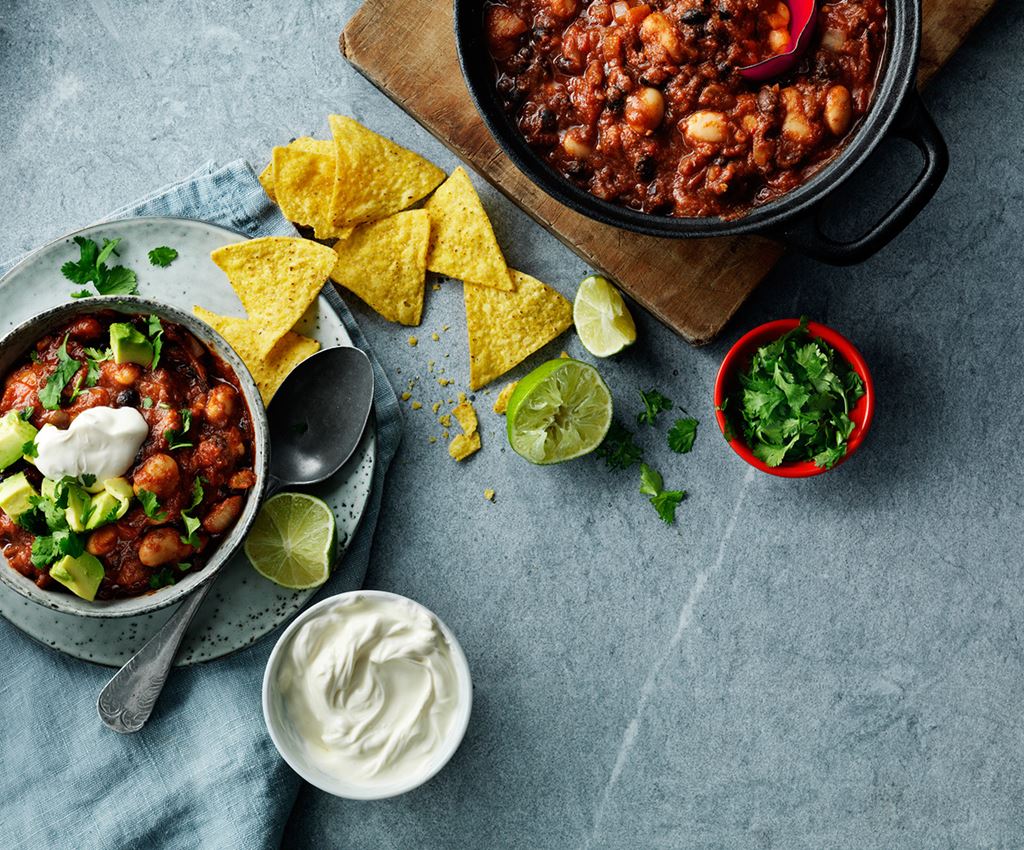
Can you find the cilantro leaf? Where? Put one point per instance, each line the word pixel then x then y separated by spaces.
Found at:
pixel 666 502
pixel 49 395
pixel 118 281
pixel 156 337
pixel 91 267
pixel 654 403
pixel 162 579
pixel 49 548
pixel 151 505
pixel 651 482
pixel 191 538
pixel 682 435
pixel 30 449
pixel 81 293
pixel 618 450
pixel 163 256
pixel 174 438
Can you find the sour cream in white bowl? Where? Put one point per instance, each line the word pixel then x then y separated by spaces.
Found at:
pixel 367 695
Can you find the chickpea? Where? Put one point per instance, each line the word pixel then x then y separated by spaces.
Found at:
pixel 162 546
pixel 220 405
pixel 795 126
pixel 102 541
pixel 159 475
pixel 504 24
pixel 658 32
pixel 223 515
pixel 644 110
pixel 574 144
pixel 838 109
pixel 563 9
pixel 779 19
pixel 126 374
pixel 833 40
pixel 244 479
pixel 706 126
pixel 778 40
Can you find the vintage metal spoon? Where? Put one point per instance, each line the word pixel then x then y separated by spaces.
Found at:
pixel 316 420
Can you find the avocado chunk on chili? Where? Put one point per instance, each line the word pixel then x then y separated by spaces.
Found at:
pixel 81 575
pixel 79 506
pixel 129 345
pixel 15 495
pixel 15 433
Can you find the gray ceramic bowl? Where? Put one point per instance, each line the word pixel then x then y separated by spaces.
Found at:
pixel 17 343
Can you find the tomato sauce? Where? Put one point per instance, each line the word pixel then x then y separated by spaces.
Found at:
pixel 641 104
pixel 138 552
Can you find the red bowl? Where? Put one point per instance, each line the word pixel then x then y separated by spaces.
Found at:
pixel 739 358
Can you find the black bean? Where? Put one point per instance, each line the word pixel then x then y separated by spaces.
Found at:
pixel 646 168
pixel 548 120
pixel 127 398
pixel 723 12
pixel 693 17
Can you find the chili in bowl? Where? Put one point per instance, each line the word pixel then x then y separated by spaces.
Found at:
pixel 133 456
pixel 643 114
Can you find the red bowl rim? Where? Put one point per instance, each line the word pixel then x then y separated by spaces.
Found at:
pixel 738 357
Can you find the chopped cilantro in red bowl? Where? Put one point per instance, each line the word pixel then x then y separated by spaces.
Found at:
pixel 794 398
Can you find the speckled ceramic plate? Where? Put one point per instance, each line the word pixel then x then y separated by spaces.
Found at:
pixel 243 606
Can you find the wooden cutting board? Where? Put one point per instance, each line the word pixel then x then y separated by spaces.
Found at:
pixel 407 49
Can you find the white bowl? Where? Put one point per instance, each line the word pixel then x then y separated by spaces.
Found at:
pixel 290 746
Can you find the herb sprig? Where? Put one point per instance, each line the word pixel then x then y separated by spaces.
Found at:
pixel 91 267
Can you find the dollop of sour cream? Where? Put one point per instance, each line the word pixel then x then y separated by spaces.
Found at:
pixel 369 686
pixel 100 441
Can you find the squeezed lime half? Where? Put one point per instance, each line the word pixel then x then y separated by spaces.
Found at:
pixel 293 541
pixel 603 321
pixel 558 412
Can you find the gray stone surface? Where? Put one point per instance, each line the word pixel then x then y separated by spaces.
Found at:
pixel 825 663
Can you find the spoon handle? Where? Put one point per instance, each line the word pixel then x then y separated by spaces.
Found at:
pixel 127 700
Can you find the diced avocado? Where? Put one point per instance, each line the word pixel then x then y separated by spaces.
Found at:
pixel 121 490
pixel 77 512
pixel 95 487
pixel 14 433
pixel 129 345
pixel 104 509
pixel 81 575
pixel 49 489
pixel 15 493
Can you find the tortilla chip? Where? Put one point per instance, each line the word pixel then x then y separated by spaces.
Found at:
pixel 462 446
pixel 304 143
pixel 385 264
pixel 506 327
pixel 276 278
pixel 269 372
pixel 501 402
pixel 267 179
pixel 303 182
pixel 466 416
pixel 374 177
pixel 462 241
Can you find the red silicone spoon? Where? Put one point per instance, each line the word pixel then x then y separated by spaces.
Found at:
pixel 802 16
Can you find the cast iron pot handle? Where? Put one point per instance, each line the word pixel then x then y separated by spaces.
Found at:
pixel 915 125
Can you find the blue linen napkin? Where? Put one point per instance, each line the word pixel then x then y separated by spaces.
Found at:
pixel 203 772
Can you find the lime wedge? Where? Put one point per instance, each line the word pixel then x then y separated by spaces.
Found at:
pixel 559 411
pixel 602 319
pixel 293 541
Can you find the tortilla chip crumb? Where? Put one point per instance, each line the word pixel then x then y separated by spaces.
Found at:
pixel 466 416
pixel 445 420
pixel 413 341
pixel 462 398
pixel 436 287
pixel 501 402
pixel 432 439
pixel 415 405
pixel 444 434
pixel 564 355
pixel 444 382
pixel 489 495
pixel 445 328
pixel 435 337
pixel 436 406
pixel 462 446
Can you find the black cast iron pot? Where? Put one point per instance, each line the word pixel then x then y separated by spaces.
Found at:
pixel 795 218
